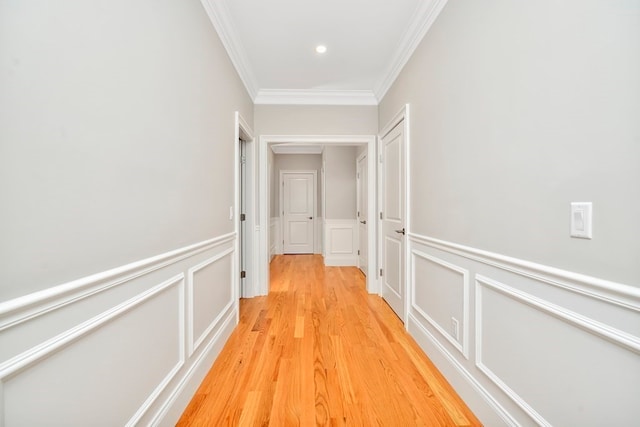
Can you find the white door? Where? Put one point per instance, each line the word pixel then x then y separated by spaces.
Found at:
pixel 298 211
pixel 393 224
pixel 362 178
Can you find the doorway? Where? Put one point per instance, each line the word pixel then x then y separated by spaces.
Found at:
pixel 264 147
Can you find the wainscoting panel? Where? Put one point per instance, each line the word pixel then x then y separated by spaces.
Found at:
pixel 516 330
pixel 341 242
pixel 440 295
pixel 209 296
pixel 113 348
pixel 544 346
pixel 120 346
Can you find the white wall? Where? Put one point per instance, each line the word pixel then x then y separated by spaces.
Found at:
pixel 340 181
pixel 315 120
pixel 116 172
pixel 340 225
pixel 295 162
pixel 518 109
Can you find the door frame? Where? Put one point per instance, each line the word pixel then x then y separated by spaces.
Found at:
pixel 243 131
pixel 358 191
pixel 315 204
pixel 401 116
pixel 265 141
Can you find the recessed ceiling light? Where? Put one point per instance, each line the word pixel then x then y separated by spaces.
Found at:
pixel 321 49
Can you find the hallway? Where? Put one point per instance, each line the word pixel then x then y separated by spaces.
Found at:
pixel 318 350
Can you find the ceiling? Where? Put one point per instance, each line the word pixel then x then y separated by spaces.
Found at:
pixel 272 45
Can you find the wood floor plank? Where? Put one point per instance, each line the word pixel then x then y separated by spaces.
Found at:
pixel 319 350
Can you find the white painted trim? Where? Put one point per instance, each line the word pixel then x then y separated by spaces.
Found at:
pixel 242 129
pixel 220 17
pixel 423 19
pixel 373 285
pixel 403 116
pixel 358 191
pixel 608 333
pixel 340 258
pixel 192 342
pixel 27 358
pixel 463 346
pixel 603 331
pixel 27 307
pixel 539 419
pixel 318 236
pixel 133 421
pixel 224 26
pixel 223 332
pixel 470 379
pixel 315 97
pixel 614 293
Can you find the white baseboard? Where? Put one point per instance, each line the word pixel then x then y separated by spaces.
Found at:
pixel 175 405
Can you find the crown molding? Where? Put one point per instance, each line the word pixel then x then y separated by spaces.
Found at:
pixel 315 97
pixel 223 24
pixel 423 19
pixel 221 19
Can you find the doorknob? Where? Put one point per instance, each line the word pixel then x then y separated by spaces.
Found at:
pixel 400 231
pixel 310 217
pixel 363 222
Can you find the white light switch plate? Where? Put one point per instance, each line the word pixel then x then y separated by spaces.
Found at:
pixel 581 220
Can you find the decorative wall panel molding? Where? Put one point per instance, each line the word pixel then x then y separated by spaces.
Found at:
pixel 538 335
pixel 99 332
pixel 460 280
pixel 341 242
pixel 561 336
pixel 217 291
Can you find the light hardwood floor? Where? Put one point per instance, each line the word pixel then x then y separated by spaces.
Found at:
pixel 320 351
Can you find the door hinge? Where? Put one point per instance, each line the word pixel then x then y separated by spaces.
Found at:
pixel 380 272
pixel 380 158
pixel 243 274
pixel 358 175
pixel 358 214
pixel 243 217
pixel 381 215
pixel 358 251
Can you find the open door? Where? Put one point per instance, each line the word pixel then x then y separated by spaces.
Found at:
pixel 363 211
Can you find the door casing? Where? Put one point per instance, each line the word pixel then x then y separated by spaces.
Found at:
pixel 362 179
pixel 246 287
pixel 263 245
